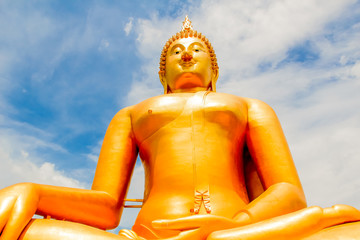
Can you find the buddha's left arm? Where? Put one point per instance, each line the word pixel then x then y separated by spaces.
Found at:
pixel 271 155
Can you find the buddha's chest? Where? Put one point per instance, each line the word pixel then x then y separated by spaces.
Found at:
pixel 200 112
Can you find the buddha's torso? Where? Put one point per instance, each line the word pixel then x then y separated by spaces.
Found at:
pixel 191 143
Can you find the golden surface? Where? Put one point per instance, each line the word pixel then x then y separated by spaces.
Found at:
pixel 217 166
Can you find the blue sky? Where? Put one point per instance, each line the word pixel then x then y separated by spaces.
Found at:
pixel 66 67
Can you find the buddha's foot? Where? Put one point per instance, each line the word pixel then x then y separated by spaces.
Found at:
pixel 338 214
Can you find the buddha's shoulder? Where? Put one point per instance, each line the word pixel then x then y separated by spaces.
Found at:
pixel 227 98
pixel 173 100
pixel 256 105
pixel 237 100
pixel 160 101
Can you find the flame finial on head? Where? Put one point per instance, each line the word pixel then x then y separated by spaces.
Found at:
pixel 186 24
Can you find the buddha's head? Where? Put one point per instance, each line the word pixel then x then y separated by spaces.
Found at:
pixel 188 62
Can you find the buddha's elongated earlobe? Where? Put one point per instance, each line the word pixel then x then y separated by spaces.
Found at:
pixel 214 79
pixel 163 81
pixel 213 86
pixel 166 89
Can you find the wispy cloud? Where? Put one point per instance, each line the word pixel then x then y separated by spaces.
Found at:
pixel 20 160
pixel 128 26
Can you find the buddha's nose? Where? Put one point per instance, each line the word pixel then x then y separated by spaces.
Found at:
pixel 186 57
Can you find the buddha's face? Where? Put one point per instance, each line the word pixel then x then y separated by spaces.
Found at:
pixel 188 66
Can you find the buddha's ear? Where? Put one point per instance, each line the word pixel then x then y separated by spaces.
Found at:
pixel 214 79
pixel 163 81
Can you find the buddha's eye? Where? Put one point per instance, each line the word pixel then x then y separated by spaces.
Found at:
pixel 177 51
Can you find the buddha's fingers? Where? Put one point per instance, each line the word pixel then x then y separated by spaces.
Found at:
pixel 188 235
pixel 194 222
pixel 129 234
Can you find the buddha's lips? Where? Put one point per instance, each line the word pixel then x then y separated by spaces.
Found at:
pixel 187 64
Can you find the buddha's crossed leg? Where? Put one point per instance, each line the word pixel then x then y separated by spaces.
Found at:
pixel 48 229
pixel 296 225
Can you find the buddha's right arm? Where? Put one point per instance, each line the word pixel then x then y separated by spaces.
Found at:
pixel 100 207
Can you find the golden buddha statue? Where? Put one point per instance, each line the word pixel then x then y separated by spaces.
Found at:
pixel 217 166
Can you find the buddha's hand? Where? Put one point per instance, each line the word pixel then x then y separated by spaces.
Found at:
pixel 18 204
pixel 195 227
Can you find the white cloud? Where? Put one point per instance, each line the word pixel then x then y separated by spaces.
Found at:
pixel 268 32
pixel 141 91
pixel 92 157
pixel 128 26
pixel 104 44
pixel 146 82
pixel 355 71
pixel 94 152
pixel 20 162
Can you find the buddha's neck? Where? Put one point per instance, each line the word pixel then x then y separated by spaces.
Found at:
pixel 189 90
